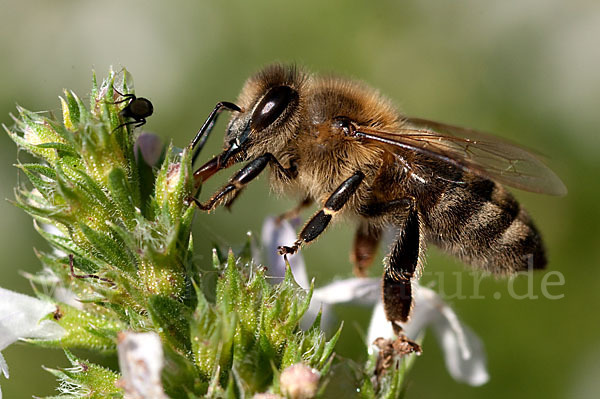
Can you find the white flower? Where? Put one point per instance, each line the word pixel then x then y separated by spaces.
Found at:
pixel 141 362
pixel 273 235
pixel 20 317
pixel 463 350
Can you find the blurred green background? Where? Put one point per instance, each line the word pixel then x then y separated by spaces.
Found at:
pixel 528 70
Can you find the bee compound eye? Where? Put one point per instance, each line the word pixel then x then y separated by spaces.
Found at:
pixel 272 105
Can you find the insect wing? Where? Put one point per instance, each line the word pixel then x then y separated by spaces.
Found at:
pixel 473 151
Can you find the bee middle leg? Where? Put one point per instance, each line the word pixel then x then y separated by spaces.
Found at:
pixel 295 212
pixel 317 224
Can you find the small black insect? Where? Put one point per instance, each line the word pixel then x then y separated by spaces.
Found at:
pixel 138 109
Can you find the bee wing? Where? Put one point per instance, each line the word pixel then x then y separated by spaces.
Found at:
pixel 473 151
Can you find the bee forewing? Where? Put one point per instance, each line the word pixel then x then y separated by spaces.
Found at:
pixel 476 152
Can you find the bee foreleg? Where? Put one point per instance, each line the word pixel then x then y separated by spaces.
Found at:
pixel 237 182
pixel 198 142
pixel 248 173
pixel 317 224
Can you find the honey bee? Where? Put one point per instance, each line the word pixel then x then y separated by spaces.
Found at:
pixel 343 145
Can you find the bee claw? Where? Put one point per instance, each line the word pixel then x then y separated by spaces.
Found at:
pixel 404 346
pixel 284 251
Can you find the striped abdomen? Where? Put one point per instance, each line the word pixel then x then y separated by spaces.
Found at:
pixel 480 222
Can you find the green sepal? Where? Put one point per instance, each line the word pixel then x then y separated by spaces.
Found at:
pixel 48 155
pixel 37 129
pixel 42 177
pixel 62 150
pixel 62 243
pixel 180 376
pixel 174 183
pixel 212 333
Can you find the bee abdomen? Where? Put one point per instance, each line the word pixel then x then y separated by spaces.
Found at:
pixel 482 224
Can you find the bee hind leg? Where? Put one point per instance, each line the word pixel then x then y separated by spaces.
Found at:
pixel 364 248
pixel 401 266
pixel 368 235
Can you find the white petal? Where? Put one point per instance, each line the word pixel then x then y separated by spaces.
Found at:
pixel 65 295
pixel 141 362
pixel 463 350
pixel 360 291
pixel 46 330
pixel 378 327
pixel 464 353
pixel 3 367
pixel 472 369
pixel 273 235
pixel 20 318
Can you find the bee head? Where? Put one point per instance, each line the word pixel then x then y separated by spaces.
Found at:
pixel 270 103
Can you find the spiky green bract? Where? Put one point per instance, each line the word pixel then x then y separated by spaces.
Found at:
pixel 251 333
pixel 390 383
pixel 85 380
pixel 132 254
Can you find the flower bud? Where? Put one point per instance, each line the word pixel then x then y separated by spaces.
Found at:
pixel 299 381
